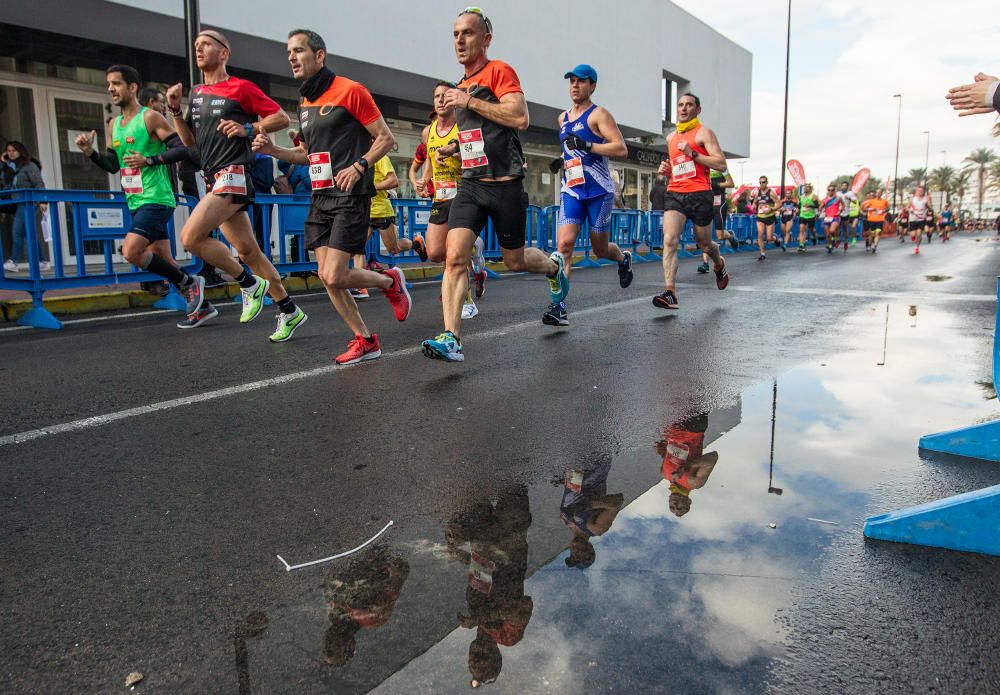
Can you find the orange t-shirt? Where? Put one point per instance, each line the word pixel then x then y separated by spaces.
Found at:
pixel 875 209
pixel 687 175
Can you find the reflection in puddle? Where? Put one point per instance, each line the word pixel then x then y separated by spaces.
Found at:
pixel 587 509
pixel 686 466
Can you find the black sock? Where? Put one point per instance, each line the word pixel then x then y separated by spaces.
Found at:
pixel 166 270
pixel 246 279
pixel 287 306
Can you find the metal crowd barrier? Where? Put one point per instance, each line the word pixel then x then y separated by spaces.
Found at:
pixel 93 218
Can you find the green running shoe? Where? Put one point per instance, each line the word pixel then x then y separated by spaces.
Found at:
pixel 287 323
pixel 253 299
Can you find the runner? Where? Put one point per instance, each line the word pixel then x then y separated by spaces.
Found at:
pixel 832 206
pixel 417 168
pixel 847 198
pixel 589 135
pixel 140 146
pixel 765 204
pixel 808 209
pixel 855 220
pixel 918 207
pixel 787 216
pixel 721 181
pixel 946 221
pixel 686 466
pixel 343 131
pixel 490 108
pixel 691 149
pixel 221 121
pixel 903 224
pixel 874 208
pixel 440 140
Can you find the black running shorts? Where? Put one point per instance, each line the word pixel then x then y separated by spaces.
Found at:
pixel 439 212
pixel 696 206
pixel 504 202
pixel 339 222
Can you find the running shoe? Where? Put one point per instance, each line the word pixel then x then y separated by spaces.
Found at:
pixel 374 265
pixel 845 247
pixel 444 347
pixel 194 294
pixel 478 259
pixel 420 247
pixel 359 295
pixel 874 249
pixel 802 248
pixel 703 268
pixel 558 283
pixel 761 257
pixel 360 350
pixel 287 323
pixel 212 279
pixel 916 250
pixel 10 266
pixel 205 313
pixel 782 245
pixel 734 243
pixel 829 249
pixel 625 273
pixel 722 277
pixel 555 315
pixel 479 282
pixel 397 294
pixel 666 300
pixel 469 310
pixel 253 299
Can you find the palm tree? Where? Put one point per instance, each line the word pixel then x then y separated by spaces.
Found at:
pixel 917 177
pixel 942 179
pixel 960 185
pixel 993 175
pixel 977 161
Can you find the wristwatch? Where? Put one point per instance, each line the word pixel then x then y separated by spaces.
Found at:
pixel 150 161
pixel 363 162
pixel 249 127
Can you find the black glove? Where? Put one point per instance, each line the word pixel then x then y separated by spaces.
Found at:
pixel 556 165
pixel 575 143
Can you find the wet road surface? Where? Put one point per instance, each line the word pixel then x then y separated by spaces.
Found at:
pixel 574 509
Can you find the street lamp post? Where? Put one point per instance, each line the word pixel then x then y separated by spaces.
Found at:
pixel 784 129
pixel 192 25
pixel 927 157
pixel 895 176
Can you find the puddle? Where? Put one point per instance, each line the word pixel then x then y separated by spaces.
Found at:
pixel 937 278
pixel 677 565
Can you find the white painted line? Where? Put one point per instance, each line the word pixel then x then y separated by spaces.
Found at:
pixel 108 418
pixel 289 568
pixel 823 521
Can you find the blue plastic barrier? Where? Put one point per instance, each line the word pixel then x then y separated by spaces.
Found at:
pixel 95 216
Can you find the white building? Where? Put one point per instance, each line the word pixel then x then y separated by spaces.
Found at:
pixel 54 53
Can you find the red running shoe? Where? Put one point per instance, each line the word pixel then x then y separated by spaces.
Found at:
pixel 360 350
pixel 398 295
pixel 420 248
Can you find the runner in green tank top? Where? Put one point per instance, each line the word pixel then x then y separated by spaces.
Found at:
pixel 808 210
pixel 140 145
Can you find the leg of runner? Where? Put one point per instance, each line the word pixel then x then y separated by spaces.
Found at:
pixel 918 237
pixel 703 235
pixel 673 225
pixel 392 240
pixel 803 228
pixel 761 228
pixel 566 236
pixel 874 234
pixel 831 233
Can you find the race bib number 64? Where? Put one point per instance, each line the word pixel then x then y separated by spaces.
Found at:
pixel 472 147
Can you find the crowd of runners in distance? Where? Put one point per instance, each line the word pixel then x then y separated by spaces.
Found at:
pixel 470 162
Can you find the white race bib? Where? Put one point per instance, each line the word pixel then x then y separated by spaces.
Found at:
pixel 445 190
pixel 574 481
pixel 131 180
pixel 574 172
pixel 716 200
pixel 472 148
pixel 320 170
pixel 682 167
pixel 232 179
pixel 481 571
pixel 678 451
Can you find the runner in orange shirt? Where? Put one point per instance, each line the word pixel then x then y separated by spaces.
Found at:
pixel 874 208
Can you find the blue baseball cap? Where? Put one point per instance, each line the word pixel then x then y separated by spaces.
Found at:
pixel 583 72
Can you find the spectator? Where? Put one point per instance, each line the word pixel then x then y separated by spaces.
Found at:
pixel 616 179
pixel 27 174
pixel 657 193
pixel 297 176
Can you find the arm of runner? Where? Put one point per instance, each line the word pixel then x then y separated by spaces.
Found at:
pixel 184 131
pixel 715 159
pixel 607 128
pixel 157 126
pixel 107 161
pixel 295 155
pixel 511 112
pixel 268 124
pixel 727 181
pixel 390 182
pixel 418 181
pixel 382 142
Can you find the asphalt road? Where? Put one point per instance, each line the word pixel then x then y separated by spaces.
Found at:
pixel 143 537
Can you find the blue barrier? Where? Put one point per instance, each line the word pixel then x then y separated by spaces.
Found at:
pixel 100 217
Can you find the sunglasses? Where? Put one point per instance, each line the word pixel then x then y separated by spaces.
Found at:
pixel 479 11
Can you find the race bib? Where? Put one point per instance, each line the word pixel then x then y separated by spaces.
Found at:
pixel 763 208
pixel 682 167
pixel 472 147
pixel 574 172
pixel 481 571
pixel 320 170
pixel 232 179
pixel 445 190
pixel 574 481
pixel 131 181
pixel 678 451
pixel 716 200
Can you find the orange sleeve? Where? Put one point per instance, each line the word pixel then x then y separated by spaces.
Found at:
pixel 361 105
pixel 503 80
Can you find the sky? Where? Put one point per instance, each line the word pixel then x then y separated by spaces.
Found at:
pixel 848 58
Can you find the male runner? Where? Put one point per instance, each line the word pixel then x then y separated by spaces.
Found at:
pixel 765 205
pixel 946 220
pixel 874 209
pixel 441 177
pixel 589 135
pixel 343 131
pixel 140 145
pixel 855 215
pixel 691 150
pixel 721 181
pixel 847 198
pixel 919 209
pixel 490 108
pixel 832 206
pixel 808 209
pixel 786 216
pixel 219 121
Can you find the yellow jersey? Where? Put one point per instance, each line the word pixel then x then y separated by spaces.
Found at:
pixel 445 175
pixel 381 207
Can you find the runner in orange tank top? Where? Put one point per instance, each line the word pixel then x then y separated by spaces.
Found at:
pixel 692 150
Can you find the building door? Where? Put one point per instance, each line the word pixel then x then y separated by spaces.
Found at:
pixel 17 123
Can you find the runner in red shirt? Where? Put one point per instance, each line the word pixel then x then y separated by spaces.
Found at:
pixel 692 150
pixel 224 115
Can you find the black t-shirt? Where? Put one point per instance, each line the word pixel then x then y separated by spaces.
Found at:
pixel 334 128
pixel 232 99
pixel 488 149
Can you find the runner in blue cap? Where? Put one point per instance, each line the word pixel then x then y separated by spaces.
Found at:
pixel 589 136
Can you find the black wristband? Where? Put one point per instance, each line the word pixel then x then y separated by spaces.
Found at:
pixel 363 162
pixel 94 157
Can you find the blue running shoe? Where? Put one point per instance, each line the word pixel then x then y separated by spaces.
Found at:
pixel 558 283
pixel 444 347
pixel 625 273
